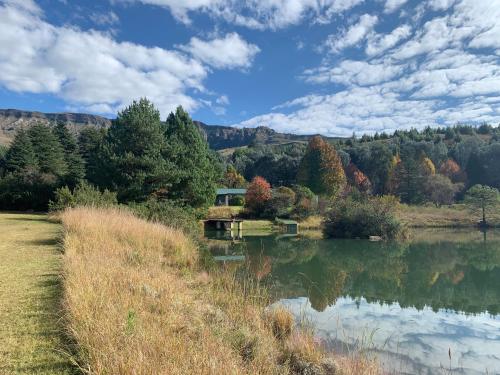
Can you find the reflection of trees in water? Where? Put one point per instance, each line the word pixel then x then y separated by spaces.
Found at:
pixel 463 276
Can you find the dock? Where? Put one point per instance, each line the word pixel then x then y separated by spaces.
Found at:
pixel 224 224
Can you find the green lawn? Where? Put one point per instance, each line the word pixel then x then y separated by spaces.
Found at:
pixel 30 326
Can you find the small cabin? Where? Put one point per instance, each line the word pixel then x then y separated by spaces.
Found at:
pixel 224 195
pixel 289 226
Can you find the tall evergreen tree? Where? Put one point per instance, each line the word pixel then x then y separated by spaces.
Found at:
pixel 20 155
pixel 197 168
pixel 91 144
pixel 135 142
pixel 48 150
pixel 74 161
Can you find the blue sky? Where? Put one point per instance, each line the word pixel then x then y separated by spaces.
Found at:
pixel 304 66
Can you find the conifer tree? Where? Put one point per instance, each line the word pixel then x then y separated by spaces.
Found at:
pixel 20 155
pixel 134 146
pixel 91 144
pixel 76 166
pixel 196 168
pixel 48 150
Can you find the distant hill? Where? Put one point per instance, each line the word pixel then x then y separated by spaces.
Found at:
pixel 218 137
pixel 13 119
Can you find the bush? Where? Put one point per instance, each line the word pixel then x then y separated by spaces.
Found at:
pixel 170 213
pixel 281 203
pixel 362 218
pixel 305 203
pixel 83 195
pixel 237 201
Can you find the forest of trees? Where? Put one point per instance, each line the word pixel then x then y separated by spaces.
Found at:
pixel 434 165
pixel 138 158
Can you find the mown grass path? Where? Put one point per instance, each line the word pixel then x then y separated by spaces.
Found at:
pixel 30 328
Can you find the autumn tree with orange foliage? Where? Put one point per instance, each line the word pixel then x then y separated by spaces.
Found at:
pixel 321 169
pixel 452 170
pixel 258 194
pixel 358 178
pixel 232 179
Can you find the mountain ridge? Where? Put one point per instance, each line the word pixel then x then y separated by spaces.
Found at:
pixel 219 137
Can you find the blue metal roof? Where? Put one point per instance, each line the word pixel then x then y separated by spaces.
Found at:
pixel 231 191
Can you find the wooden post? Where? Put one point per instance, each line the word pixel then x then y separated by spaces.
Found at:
pixel 227 199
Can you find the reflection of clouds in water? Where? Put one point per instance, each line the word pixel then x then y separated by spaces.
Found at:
pixel 409 340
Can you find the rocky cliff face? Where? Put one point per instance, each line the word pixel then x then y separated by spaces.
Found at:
pixel 12 119
pixel 218 137
pixel 222 137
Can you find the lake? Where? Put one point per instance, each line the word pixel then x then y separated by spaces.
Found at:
pixel 427 306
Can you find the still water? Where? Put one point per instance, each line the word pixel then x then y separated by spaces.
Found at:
pixel 428 306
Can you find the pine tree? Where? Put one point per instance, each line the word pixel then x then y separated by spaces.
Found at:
pixel 20 155
pixel 48 150
pixel 321 169
pixel 91 144
pixel 76 166
pixel 134 146
pixel 196 168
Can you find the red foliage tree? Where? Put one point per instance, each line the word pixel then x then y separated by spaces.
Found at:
pixel 258 193
pixel 358 178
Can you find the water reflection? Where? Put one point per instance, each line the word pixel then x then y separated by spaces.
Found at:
pixel 439 292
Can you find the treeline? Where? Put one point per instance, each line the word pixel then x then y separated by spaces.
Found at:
pixel 433 165
pixel 139 159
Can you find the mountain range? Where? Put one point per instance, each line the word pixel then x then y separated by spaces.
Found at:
pixel 218 137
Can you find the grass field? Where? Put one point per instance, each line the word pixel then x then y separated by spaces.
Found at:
pixel 455 216
pixel 30 341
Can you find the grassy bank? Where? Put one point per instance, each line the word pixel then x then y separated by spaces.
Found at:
pixel 138 302
pixel 30 328
pixel 455 216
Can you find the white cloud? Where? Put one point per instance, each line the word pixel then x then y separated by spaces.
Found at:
pixel 353 35
pixel 379 43
pixel 91 71
pixel 440 4
pixel 105 19
pixel 257 14
pixel 350 72
pixel 222 100
pixel 438 76
pixel 228 52
pixel 392 5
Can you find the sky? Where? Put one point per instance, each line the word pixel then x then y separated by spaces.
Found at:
pixel 333 67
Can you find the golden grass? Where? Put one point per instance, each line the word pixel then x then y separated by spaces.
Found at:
pixel 223 212
pixel 455 216
pixel 138 303
pixel 312 223
pixel 30 292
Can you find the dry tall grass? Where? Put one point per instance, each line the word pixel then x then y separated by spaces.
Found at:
pixel 137 303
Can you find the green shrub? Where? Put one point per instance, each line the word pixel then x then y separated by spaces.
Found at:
pixel 362 218
pixel 306 203
pixel 237 201
pixel 83 195
pixel 281 203
pixel 170 213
